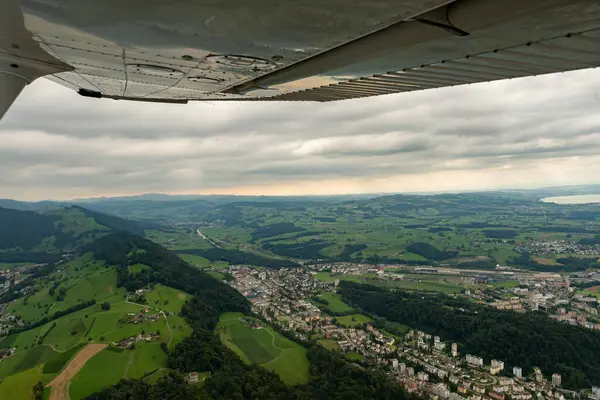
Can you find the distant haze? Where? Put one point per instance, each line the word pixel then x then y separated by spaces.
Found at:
pixel 581 199
pixel 521 133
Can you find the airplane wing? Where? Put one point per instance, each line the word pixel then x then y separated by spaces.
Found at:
pixel 301 50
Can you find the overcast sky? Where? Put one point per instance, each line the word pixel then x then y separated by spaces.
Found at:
pixel 529 132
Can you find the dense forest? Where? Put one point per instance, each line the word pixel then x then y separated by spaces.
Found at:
pixel 500 233
pixel 590 241
pixel 262 232
pixel 170 387
pixel 114 223
pixel 525 340
pixel 24 229
pixel 123 249
pixel 430 252
pixel 308 250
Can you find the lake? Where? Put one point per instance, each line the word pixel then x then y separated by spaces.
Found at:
pixel 579 199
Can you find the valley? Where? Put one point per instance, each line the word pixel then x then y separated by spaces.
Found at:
pixel 208 296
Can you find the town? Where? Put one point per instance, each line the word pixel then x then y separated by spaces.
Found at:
pixel 422 363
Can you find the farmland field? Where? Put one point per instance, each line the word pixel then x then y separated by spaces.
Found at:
pixel 166 299
pixel 199 261
pixel 88 380
pixel 25 359
pixel 592 292
pixel 427 283
pixel 329 344
pixel 138 268
pixel 354 356
pixel 18 386
pixel 264 347
pixel 353 320
pixel 146 357
pixel 56 363
pixel 335 303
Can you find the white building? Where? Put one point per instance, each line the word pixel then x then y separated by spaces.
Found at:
pixel 436 339
pixel 395 363
pixel 422 376
pixel 556 379
pixel 411 371
pixel 498 364
pixel 454 350
pixel 474 360
pixel 441 390
pixel 439 346
pixel 192 377
pixel 596 392
pixel 402 368
pixel 518 372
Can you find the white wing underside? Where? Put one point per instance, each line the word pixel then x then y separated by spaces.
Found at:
pixel 176 51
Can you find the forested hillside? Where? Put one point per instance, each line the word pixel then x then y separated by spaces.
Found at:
pixel 526 340
pixel 123 249
pixel 31 236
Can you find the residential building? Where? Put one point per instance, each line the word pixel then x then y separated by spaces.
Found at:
pixel 596 392
pixel 454 350
pixel 497 396
pixel 395 363
pixel 539 377
pixel 441 390
pixel 422 376
pixel 556 379
pixel 192 377
pixel 402 368
pixel 411 371
pixel 479 389
pixel 436 339
pixel 498 364
pixel 474 360
pixel 440 346
pixel 518 372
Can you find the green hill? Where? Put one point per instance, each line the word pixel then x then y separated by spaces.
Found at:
pixel 90 297
pixel 29 236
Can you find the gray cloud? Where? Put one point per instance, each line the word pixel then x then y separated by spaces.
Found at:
pixel 525 132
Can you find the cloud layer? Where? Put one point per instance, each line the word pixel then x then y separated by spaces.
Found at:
pixel 520 133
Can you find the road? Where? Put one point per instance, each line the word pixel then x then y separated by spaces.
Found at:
pixel 168 327
pixel 129 364
pixel 203 236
